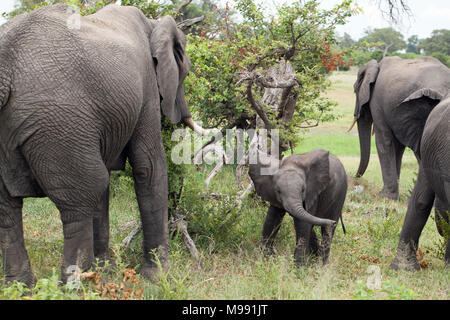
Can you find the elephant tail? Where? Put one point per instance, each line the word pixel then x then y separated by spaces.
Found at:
pixel 342 224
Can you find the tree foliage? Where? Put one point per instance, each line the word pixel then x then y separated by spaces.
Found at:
pixel 386 39
pixel 230 65
pixel 438 42
pixel 413 43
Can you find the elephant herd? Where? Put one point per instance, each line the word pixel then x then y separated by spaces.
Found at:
pixel 76 103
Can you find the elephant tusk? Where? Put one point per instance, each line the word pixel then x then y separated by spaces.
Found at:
pixel 373 130
pixel 195 127
pixel 353 124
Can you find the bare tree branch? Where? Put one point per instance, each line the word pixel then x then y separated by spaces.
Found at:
pixel 257 107
pixel 183 5
pixel 395 9
pixel 179 224
pixel 189 22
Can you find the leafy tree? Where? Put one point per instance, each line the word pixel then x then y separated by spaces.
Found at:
pixel 388 40
pixel 345 41
pixel 438 42
pixel 230 72
pixel 412 44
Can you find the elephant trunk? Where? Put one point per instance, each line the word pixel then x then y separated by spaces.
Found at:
pixel 195 127
pixel 295 208
pixel 364 128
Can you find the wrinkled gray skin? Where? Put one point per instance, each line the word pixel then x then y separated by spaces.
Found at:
pixel 311 187
pixel 396 95
pixel 433 183
pixel 76 104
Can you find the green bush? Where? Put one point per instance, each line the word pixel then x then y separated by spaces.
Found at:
pixel 442 58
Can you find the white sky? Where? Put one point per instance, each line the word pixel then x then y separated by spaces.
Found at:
pixel 427 16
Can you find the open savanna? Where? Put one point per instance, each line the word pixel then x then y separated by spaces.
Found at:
pixel 232 265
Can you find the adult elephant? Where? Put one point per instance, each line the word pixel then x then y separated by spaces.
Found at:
pixel 77 101
pixel 433 183
pixel 396 95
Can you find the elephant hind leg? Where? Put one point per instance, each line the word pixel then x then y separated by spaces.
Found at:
pixel 16 264
pixel 419 209
pixel 101 231
pixel 399 151
pixel 314 244
pixel 76 181
pixel 441 214
pixel 327 237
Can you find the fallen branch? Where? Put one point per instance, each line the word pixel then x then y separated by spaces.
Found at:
pixel 219 152
pixel 179 224
pixel 239 200
pixel 126 242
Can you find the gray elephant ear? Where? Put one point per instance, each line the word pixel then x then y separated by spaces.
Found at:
pixel 410 125
pixel 167 48
pixel 366 76
pixel 316 164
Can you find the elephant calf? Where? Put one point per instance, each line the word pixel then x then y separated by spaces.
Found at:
pixel 312 188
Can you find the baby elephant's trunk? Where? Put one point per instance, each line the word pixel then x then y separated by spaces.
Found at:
pixel 295 208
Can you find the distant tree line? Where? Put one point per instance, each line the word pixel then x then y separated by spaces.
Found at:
pixel 378 43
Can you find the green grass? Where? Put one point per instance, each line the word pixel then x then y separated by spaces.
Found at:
pixel 232 263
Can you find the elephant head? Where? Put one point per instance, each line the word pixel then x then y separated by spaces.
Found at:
pixel 367 76
pixel 167 45
pixel 296 184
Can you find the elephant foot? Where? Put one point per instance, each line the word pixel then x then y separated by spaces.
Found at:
pixel 389 195
pixel 150 272
pixel 25 277
pixel 267 250
pixel 405 263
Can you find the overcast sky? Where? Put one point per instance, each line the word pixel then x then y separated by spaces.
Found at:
pixel 428 15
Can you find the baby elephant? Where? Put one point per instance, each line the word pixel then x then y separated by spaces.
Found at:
pixel 311 187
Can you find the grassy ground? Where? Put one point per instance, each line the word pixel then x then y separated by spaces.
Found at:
pixel 232 265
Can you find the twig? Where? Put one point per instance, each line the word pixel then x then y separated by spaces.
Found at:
pixel 239 200
pixel 126 242
pixel 179 224
pixel 183 4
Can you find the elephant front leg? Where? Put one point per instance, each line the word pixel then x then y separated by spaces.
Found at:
pixel 419 208
pixel 153 206
pixel 271 227
pixel 387 148
pixel 148 162
pixel 302 245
